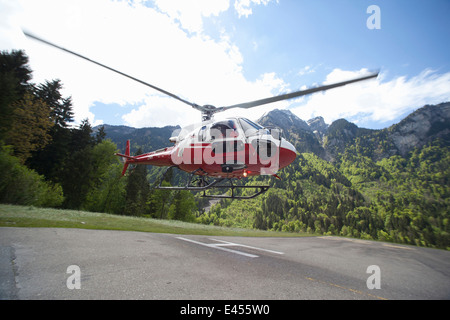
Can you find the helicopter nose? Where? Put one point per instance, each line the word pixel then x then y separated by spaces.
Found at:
pixel 288 153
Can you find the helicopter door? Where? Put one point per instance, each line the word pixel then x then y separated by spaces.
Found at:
pixel 228 145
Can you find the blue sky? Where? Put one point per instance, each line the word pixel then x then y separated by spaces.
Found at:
pixel 223 52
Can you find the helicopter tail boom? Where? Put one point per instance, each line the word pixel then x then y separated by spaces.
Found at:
pixel 159 158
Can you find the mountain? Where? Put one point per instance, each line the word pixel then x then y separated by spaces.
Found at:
pixel 284 119
pixel 421 127
pixel 295 130
pixel 328 141
pixel 318 127
pixel 148 139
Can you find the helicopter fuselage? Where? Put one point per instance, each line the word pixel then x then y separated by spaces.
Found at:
pixel 231 148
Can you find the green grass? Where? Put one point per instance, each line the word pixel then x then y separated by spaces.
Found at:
pixel 23 216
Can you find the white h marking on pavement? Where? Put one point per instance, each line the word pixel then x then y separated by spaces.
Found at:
pixel 221 246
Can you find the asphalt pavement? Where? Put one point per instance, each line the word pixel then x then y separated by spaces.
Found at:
pixel 54 264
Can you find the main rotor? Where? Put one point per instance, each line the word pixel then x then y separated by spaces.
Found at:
pixel 208 111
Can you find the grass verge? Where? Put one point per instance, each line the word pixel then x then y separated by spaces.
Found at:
pixel 22 216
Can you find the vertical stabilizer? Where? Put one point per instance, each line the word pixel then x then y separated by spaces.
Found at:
pixel 126 156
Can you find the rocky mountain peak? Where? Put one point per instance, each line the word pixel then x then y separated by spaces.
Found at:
pixel 422 126
pixel 284 119
pixel 327 141
pixel 318 124
pixel 318 127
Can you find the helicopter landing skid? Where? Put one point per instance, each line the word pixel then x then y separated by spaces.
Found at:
pixel 233 187
pixel 202 184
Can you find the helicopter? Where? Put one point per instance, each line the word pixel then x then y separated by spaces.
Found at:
pixel 215 153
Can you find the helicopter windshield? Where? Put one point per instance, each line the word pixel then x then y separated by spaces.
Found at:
pixel 224 129
pixel 250 128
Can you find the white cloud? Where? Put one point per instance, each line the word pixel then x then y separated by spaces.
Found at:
pixel 191 13
pixel 9 30
pixel 265 86
pixel 306 70
pixel 160 111
pixel 243 7
pixel 375 100
pixel 164 47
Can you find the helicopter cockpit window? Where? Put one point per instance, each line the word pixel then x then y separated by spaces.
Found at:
pixel 224 129
pixel 202 134
pixel 250 127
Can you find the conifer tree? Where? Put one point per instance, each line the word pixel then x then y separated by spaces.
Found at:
pixel 14 77
pixel 137 191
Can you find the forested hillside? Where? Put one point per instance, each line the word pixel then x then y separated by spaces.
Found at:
pixel 391 184
pixel 147 139
pixel 394 199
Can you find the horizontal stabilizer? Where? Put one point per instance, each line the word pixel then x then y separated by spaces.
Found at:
pixel 124 156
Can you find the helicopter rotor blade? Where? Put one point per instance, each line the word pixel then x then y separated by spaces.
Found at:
pixel 209 110
pixel 111 69
pixel 296 94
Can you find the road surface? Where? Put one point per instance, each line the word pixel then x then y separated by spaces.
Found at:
pixel 52 263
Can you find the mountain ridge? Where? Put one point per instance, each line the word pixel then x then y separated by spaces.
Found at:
pixel 327 141
pixel 420 127
pixel 146 139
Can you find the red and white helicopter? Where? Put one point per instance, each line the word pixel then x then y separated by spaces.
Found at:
pixel 217 151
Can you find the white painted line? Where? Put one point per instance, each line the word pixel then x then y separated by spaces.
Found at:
pixel 215 246
pixel 398 247
pixel 226 243
pixel 367 242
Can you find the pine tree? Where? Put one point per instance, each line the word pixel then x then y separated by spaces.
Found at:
pixel 137 191
pixel 183 206
pixel 14 76
pixel 159 201
pixel 77 170
pixel 107 186
pixel 61 108
pixel 49 160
